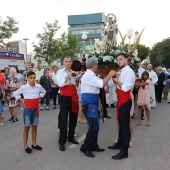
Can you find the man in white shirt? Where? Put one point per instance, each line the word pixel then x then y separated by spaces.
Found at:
pixel 54 85
pixel 140 71
pixel 90 89
pixel 153 79
pixel 66 79
pixel 39 72
pixel 125 84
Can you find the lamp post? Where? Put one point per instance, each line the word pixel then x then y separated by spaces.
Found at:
pixel 84 37
pixel 26 48
pixel 129 35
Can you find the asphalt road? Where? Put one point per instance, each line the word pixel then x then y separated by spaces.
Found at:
pixel 150 150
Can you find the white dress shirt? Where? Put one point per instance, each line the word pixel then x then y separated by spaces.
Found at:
pixel 61 75
pixel 127 78
pixel 90 83
pixel 54 78
pixel 30 92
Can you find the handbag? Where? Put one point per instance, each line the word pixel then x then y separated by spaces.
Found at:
pixel 164 82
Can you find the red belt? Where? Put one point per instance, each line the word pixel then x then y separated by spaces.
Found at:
pixel 123 97
pixel 32 104
pixel 70 90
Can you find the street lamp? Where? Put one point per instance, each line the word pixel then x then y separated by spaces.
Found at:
pixel 84 37
pixel 129 35
pixel 26 48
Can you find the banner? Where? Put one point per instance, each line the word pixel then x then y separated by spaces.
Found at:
pixel 11 55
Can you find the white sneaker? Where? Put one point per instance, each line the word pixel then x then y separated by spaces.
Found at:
pixel 1 124
pixel 21 108
pixel 41 108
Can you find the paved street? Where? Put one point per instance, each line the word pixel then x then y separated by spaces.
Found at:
pixel 150 151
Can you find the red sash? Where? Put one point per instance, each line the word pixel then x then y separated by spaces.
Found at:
pixel 32 104
pixel 70 90
pixel 123 97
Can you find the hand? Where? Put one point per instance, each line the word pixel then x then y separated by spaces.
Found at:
pixel 113 73
pixel 73 74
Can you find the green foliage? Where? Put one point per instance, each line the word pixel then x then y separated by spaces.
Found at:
pixel 67 46
pixel 7 29
pixel 143 51
pixel 52 49
pixel 160 53
pixel 46 47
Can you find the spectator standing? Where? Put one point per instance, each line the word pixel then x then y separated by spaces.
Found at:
pixel 46 84
pixel 12 84
pixel 144 97
pixel 54 86
pixel 1 107
pixel 166 85
pixel 39 72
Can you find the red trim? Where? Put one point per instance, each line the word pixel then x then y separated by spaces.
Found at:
pixel 123 97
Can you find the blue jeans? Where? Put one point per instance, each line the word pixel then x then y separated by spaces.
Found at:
pixel 30 117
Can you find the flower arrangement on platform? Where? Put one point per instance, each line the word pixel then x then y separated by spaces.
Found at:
pixel 106 51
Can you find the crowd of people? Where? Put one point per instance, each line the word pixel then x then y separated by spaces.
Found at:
pixel 79 97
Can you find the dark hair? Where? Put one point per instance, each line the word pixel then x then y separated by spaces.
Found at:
pixel 142 79
pixel 6 68
pixel 76 65
pixel 123 54
pixel 132 67
pixel 30 73
pixel 17 69
pixel 45 71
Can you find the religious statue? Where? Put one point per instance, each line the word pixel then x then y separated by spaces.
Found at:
pixel 112 29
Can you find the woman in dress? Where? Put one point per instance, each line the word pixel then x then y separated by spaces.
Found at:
pixel 12 84
pixel 166 85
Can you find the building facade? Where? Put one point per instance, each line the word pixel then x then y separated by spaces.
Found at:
pixel 17 47
pixel 94 24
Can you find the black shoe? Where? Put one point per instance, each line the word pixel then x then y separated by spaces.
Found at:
pixel 107 105
pixel 54 107
pixel 142 118
pixel 120 155
pixel 62 148
pixel 98 150
pixel 115 146
pixel 106 116
pixel 11 119
pixel 159 101
pixel 28 150
pixel 88 154
pixel 73 141
pixel 112 105
pixel 37 147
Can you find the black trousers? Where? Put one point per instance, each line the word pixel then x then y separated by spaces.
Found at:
pixel 55 94
pixel 159 92
pixel 65 112
pixel 124 128
pixel 47 99
pixel 91 139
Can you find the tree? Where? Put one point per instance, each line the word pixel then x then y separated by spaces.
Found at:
pixel 46 47
pixel 68 45
pixel 7 29
pixel 51 48
pixel 143 51
pixel 160 54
